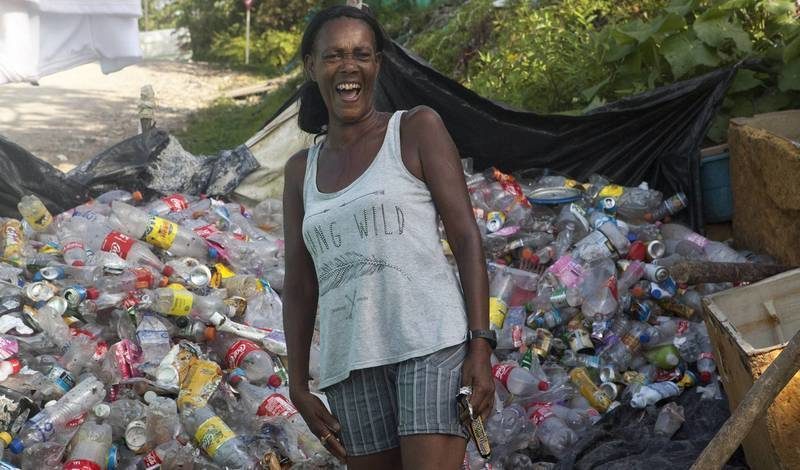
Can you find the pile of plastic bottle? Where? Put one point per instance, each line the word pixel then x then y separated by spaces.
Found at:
pixel 587 315
pixel 148 334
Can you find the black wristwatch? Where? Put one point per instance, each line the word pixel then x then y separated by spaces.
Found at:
pixel 489 335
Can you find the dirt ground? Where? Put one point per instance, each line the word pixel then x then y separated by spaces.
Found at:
pixel 73 115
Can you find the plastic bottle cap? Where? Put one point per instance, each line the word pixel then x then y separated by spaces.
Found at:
pixel 644 338
pixel 137 196
pixel 101 410
pixel 6 437
pixel 213 253
pixel 234 379
pixel 274 381
pixel 210 333
pixel 705 376
pixel 16 365
pixel 163 282
pixel 113 457
pixel 150 397
pixel 92 293
pixel 543 386
pixel 78 263
pixel 631 237
pixel 16 446
pixel 168 271
pixel 167 375
pixel 637 251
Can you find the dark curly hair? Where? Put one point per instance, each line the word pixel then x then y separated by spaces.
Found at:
pixel 313 115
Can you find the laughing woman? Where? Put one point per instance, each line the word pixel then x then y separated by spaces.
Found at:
pixel 399 335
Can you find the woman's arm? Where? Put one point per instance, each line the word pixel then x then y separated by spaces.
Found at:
pixel 300 307
pixel 440 168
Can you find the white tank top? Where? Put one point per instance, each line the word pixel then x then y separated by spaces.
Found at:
pixel 386 290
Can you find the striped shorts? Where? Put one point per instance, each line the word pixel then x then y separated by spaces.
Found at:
pixel 378 405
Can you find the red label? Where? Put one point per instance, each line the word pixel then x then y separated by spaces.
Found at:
pixel 100 350
pixel 206 230
pixel 539 413
pixel 151 461
pixel 706 355
pixel 238 351
pixel 683 327
pixel 277 405
pixel 612 286
pixel 176 202
pixel 517 338
pixel 144 278
pixel 502 371
pixel 76 422
pixel 118 243
pixel 81 464
pixel 664 375
pixel 77 245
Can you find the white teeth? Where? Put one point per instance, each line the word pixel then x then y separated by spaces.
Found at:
pixel 348 86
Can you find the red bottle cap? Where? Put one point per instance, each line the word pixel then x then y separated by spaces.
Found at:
pixel 16 365
pixel 274 381
pixel 168 271
pixel 92 293
pixel 705 377
pixel 637 251
pixel 210 333
pixel 78 263
pixel 543 386
pixel 137 196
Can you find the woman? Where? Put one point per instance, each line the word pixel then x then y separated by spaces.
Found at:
pixel 398 336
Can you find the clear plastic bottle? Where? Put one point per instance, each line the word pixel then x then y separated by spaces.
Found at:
pixel 653 393
pixel 215 438
pixel 154 341
pixel 672 205
pixel 140 277
pixel 173 203
pixel 519 381
pixel 35 213
pixel 123 411
pixel 605 242
pixel 706 365
pixel 553 317
pixel 162 421
pixel 102 238
pixel 91 444
pixel 119 195
pixel 71 236
pixel 14 243
pixel 553 433
pixel 157 231
pixel 256 257
pixel 594 394
pixel 256 364
pixel 54 419
pixel 181 303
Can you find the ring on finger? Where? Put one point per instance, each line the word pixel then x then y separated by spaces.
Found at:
pixel 324 439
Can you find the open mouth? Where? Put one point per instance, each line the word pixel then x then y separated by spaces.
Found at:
pixel 348 91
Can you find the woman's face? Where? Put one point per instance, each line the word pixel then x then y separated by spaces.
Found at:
pixel 345 65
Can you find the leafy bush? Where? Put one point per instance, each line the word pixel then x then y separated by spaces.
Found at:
pixel 271 51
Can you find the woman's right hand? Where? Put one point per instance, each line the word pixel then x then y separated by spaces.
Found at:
pixel 320 421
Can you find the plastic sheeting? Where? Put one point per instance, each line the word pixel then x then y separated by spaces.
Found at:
pixel 653 137
pixel 22 173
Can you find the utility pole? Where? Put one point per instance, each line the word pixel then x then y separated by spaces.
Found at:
pixel 248 4
pixel 144 9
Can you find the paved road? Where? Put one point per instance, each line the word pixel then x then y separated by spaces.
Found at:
pixel 73 115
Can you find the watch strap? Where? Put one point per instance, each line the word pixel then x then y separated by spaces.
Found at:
pixel 489 335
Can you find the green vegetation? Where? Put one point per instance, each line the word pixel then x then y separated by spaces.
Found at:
pixel 227 124
pixel 548 56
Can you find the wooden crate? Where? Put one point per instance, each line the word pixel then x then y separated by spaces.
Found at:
pixel 749 326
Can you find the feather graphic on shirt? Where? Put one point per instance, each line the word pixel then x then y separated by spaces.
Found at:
pixel 350 266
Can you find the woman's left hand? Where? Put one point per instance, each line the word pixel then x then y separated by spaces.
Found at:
pixel 477 373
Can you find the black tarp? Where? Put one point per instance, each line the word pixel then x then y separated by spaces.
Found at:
pixel 653 137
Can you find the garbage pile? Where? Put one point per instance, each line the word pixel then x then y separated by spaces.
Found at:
pixel 139 335
pixel 587 314
pixel 147 334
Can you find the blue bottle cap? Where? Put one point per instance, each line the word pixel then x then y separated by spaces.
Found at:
pixel 113 458
pixel 213 253
pixel 632 237
pixel 16 446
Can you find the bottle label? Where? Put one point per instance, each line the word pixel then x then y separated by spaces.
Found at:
pixel 182 301
pixel 631 341
pixel 698 239
pixel 540 413
pixel 117 243
pixel 497 311
pixel 160 232
pixel 81 464
pixel 206 230
pixel 61 377
pixel 8 348
pixel 611 190
pixel 580 214
pixel 502 371
pixel 706 355
pixel 73 245
pixel 212 434
pixel 152 337
pixel 277 405
pixel 151 461
pixel 567 271
pixel 683 327
pixel 237 352
pixel 144 278
pixel 517 336
pixel 175 202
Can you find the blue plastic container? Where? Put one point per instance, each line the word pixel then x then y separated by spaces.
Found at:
pixel 715 182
